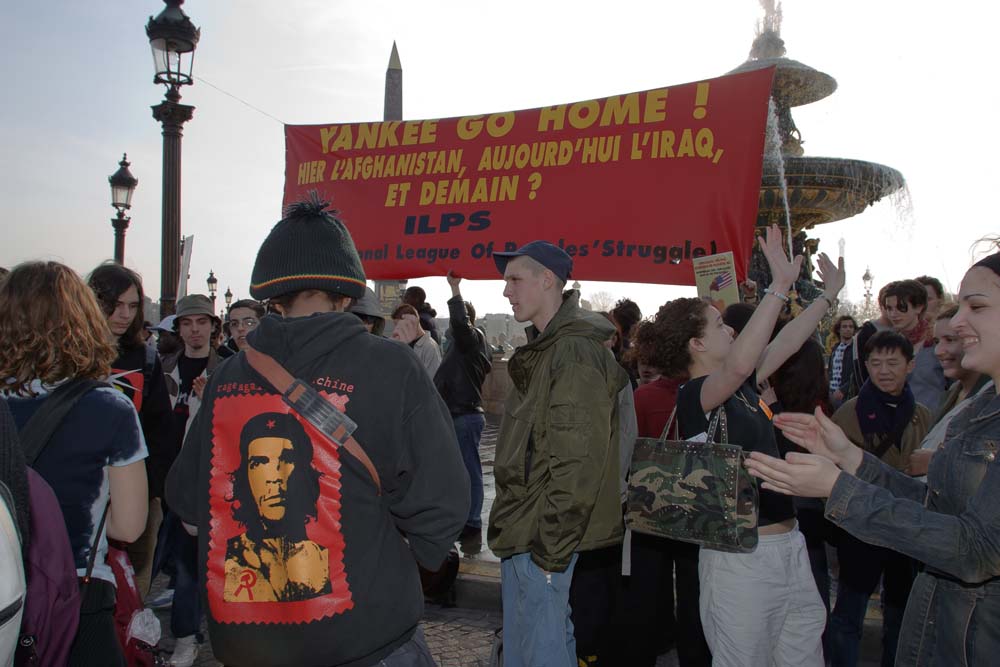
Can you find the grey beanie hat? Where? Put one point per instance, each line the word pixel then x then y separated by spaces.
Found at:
pixel 367 305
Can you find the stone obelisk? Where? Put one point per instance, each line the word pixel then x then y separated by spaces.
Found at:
pixel 390 292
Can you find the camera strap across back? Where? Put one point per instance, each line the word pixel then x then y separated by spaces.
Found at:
pixel 308 403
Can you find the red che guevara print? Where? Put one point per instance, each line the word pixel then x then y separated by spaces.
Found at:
pixel 276 552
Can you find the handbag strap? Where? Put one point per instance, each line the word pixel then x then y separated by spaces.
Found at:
pixel 718 421
pixel 666 429
pixel 37 433
pixel 93 548
pixel 307 402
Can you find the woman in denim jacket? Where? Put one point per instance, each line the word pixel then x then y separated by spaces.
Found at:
pixel 951 523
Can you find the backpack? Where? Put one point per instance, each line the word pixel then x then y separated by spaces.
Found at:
pixel 11 577
pixel 52 603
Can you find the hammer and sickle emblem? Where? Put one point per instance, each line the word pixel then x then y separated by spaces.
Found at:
pixel 247 580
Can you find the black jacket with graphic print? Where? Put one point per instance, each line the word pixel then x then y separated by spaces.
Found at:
pixel 406 430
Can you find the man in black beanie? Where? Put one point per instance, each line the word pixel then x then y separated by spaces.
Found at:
pixel 373 526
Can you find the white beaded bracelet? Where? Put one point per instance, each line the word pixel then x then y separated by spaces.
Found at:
pixel 783 297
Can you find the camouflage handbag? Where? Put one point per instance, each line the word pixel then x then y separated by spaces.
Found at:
pixel 696 492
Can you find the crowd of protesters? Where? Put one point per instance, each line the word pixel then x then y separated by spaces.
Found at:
pixel 300 469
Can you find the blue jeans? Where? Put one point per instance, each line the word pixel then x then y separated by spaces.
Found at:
pixel 181 550
pixel 862 565
pixel 537 630
pixel 469 430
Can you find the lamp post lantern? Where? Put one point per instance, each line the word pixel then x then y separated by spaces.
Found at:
pixel 229 297
pixel 213 286
pixel 122 186
pixel 173 39
pixel 868 279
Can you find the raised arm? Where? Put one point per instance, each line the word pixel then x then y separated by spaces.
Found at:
pixel 795 333
pixel 746 350
pixel 461 328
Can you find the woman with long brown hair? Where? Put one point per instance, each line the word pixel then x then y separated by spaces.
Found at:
pixel 137 373
pixel 52 331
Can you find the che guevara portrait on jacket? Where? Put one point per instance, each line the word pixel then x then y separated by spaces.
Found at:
pixel 275 491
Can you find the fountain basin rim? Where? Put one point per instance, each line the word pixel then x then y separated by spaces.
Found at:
pixel 795 84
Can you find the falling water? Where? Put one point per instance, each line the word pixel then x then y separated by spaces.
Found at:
pixel 772 153
pixel 902 203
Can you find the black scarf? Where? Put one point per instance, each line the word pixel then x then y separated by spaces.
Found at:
pixel 884 416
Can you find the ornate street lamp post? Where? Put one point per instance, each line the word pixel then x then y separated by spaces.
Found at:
pixel 173 39
pixel 213 287
pixel 868 279
pixel 229 301
pixel 122 186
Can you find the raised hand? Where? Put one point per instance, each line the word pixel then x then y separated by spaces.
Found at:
pixel 784 273
pixel 198 385
pixel 453 279
pixel 407 329
pixel 832 275
pixel 803 475
pixel 819 435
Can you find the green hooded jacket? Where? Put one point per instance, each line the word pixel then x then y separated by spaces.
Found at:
pixel 556 465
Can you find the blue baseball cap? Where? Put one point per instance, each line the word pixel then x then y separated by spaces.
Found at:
pixel 552 257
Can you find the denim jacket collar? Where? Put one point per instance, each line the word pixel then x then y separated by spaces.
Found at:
pixel 990 402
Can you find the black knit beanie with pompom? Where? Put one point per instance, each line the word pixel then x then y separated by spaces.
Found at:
pixel 309 249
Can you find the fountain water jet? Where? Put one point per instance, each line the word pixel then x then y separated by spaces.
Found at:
pixel 799 192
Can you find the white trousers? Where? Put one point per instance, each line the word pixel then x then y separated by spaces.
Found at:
pixel 762 609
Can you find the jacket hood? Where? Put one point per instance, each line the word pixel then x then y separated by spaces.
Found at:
pixel 298 341
pixel 571 320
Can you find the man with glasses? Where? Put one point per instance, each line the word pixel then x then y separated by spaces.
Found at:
pixel 244 316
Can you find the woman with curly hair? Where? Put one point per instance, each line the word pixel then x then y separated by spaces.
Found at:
pixel 52 331
pixel 760 607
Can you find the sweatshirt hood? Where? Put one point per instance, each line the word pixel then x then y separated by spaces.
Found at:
pixel 297 342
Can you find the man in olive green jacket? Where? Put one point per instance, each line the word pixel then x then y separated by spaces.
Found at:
pixel 556 466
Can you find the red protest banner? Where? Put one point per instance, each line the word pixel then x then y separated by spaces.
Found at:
pixel 632 186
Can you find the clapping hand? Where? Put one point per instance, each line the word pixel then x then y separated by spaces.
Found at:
pixel 803 475
pixel 819 435
pixel 198 386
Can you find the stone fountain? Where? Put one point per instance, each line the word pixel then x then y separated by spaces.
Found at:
pixel 815 190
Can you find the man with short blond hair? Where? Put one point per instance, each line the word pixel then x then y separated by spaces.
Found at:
pixel 556 466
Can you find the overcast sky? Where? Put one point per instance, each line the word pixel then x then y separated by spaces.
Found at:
pixel 916 92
